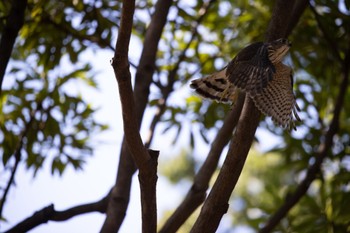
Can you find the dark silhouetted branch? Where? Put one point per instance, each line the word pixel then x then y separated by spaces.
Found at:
pixel 196 195
pixel 50 214
pixel 14 23
pixel 298 11
pixel 216 204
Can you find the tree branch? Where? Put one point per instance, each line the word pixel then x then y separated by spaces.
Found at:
pixel 196 195
pixel 322 153
pixel 280 20
pixel 298 10
pixel 14 23
pixel 216 204
pixel 119 200
pixel 120 65
pixel 145 162
pixel 49 213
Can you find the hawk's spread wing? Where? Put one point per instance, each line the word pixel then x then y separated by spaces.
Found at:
pixel 278 100
pixel 251 69
pixel 258 70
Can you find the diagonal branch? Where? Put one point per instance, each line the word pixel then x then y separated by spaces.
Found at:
pixel 322 153
pixel 196 195
pixel 50 214
pixel 298 10
pixel 216 204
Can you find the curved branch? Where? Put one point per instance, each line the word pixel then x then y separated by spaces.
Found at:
pixel 50 214
pixel 95 38
pixel 323 150
pixel 11 180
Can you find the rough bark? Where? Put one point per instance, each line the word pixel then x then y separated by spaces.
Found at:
pixel 145 162
pixel 119 200
pixel 197 194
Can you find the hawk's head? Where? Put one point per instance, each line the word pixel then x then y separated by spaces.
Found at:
pixel 278 49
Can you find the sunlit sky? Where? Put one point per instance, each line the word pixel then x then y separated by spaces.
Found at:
pixel 94 182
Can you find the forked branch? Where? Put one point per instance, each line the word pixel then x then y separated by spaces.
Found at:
pixel 146 162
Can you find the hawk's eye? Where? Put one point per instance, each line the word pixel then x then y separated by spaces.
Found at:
pixel 284 41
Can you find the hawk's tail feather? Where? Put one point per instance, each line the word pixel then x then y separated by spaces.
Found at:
pixel 296 109
pixel 216 87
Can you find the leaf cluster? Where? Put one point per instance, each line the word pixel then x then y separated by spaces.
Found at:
pixel 43 120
